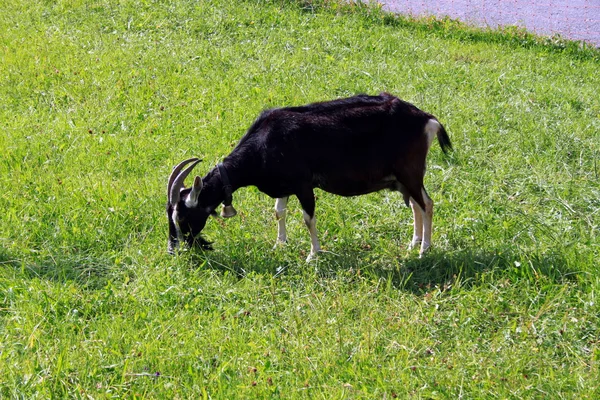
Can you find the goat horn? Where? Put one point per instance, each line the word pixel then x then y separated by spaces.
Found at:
pixel 176 179
pixel 176 170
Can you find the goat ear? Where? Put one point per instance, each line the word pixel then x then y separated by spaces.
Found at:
pixel 192 199
pixel 228 211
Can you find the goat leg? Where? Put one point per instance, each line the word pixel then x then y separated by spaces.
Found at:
pixel 427 223
pixel 280 214
pixel 307 201
pixel 417 225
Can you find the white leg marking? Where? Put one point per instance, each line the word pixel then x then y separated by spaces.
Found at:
pixel 311 224
pixel 280 213
pixel 432 128
pixel 417 224
pixel 427 223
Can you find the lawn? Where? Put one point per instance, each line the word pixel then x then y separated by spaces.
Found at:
pixel 101 98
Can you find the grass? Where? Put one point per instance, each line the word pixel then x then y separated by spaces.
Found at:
pixel 100 99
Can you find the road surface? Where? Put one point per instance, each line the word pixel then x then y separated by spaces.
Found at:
pixel 571 19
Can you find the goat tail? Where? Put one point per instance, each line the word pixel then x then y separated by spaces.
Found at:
pixel 444 139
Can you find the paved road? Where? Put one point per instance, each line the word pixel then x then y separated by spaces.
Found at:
pixel 572 19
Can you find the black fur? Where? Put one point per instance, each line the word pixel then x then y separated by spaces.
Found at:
pixel 348 147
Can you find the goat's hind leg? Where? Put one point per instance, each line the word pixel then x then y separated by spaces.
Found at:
pixel 427 222
pixel 307 201
pixel 280 214
pixel 417 224
pixel 423 222
pixel 422 207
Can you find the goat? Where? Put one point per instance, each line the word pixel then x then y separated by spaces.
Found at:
pixel 348 147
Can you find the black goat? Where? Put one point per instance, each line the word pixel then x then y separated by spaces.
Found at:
pixel 348 147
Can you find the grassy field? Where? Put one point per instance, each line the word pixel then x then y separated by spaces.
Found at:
pixel 99 99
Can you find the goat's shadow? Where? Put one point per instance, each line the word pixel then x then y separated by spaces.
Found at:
pixel 402 269
pixel 405 270
pixel 88 271
pixel 467 267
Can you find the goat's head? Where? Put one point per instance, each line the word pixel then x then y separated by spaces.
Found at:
pixel 185 211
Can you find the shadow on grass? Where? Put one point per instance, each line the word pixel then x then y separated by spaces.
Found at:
pixel 473 267
pixel 90 272
pixel 404 271
pixel 438 269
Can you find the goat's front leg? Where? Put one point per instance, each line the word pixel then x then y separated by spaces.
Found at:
pixel 280 213
pixel 307 201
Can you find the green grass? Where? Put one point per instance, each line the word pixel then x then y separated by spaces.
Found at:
pixel 100 99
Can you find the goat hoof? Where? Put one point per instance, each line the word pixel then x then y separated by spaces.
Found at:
pixel 312 256
pixel 424 249
pixel 414 244
pixel 278 244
